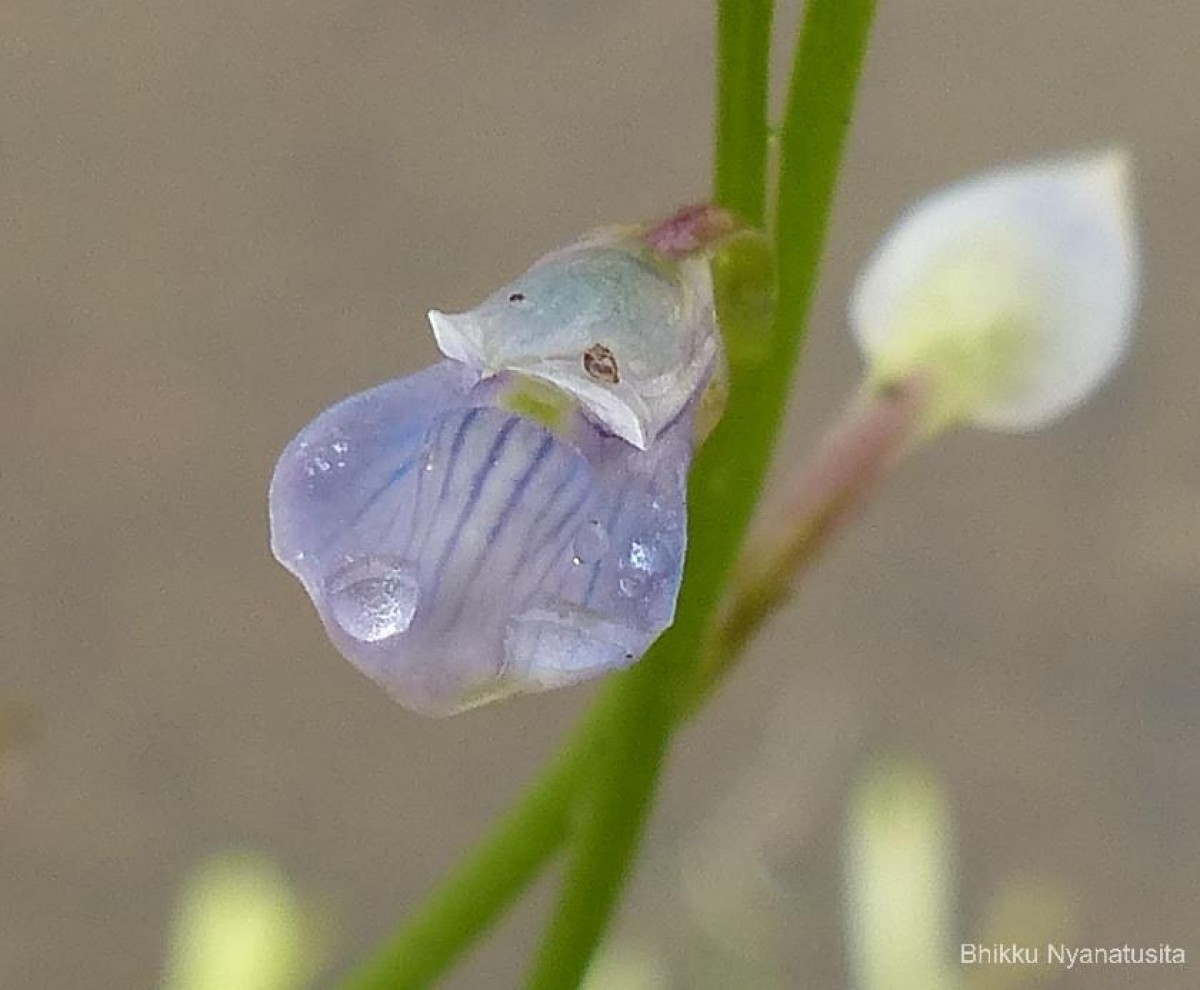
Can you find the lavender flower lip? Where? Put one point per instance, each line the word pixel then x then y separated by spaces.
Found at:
pixel 475 531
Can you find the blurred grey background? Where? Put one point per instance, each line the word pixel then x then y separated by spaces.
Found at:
pixel 218 218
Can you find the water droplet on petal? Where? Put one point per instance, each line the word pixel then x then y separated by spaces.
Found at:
pixel 591 542
pixel 636 568
pixel 373 598
pixel 559 643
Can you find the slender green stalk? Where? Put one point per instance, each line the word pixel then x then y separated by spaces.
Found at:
pixel 605 840
pixel 479 888
pixel 475 892
pixel 743 70
pixel 819 110
pixel 725 484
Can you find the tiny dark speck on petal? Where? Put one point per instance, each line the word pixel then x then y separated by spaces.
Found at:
pixel 601 364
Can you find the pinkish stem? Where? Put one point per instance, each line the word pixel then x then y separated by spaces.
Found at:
pixel 854 456
pixel 803 513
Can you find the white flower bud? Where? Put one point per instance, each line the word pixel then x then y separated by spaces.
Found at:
pixel 1015 291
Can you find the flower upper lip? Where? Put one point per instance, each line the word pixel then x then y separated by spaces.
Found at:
pixel 655 323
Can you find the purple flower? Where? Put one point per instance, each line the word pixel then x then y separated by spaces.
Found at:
pixel 465 537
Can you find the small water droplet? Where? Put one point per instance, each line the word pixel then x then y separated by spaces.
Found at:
pixel 639 556
pixel 591 543
pixel 635 569
pixel 373 598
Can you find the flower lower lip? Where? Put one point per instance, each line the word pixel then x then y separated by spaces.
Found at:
pixel 457 551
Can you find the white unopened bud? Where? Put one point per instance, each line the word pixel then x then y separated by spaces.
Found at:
pixel 1015 292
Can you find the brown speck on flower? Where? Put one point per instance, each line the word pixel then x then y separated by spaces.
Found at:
pixel 601 364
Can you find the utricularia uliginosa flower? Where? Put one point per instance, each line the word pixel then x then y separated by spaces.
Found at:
pixel 513 518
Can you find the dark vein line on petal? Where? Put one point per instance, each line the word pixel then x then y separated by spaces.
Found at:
pixel 558 550
pixel 477 483
pixel 618 505
pixel 514 499
pixel 533 548
pixel 428 514
pixel 374 497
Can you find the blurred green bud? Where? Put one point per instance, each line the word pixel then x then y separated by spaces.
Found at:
pixel 626 965
pixel 239 926
pixel 900 880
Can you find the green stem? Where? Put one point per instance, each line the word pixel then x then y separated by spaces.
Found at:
pixel 605 839
pixel 819 110
pixel 478 889
pixel 725 484
pixel 743 70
